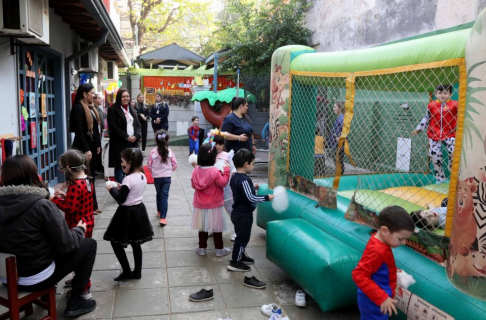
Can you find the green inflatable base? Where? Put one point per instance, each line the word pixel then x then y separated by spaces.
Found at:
pixel 318 248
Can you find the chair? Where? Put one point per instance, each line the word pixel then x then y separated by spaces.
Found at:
pixel 17 302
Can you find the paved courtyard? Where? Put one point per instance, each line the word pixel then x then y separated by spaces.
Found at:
pixel 172 270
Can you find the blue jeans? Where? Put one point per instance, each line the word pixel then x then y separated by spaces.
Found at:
pixel 162 186
pixel 119 174
pixel 193 146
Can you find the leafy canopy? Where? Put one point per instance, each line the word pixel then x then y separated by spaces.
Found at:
pixel 253 30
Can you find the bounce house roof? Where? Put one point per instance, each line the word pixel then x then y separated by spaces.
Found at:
pixel 438 47
pixel 226 95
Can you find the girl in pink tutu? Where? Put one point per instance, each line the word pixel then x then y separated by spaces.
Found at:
pixel 208 182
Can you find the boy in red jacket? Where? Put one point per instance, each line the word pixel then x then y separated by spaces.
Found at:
pixel 376 273
pixel 440 122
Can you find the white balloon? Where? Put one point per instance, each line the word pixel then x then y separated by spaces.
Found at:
pixel 280 202
pixel 111 183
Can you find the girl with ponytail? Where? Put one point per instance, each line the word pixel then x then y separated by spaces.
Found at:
pixel 161 163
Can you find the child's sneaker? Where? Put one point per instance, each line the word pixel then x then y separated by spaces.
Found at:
pixel 233 237
pixel 271 309
pixel 300 299
pixel 163 222
pixel 238 266
pixel 254 283
pixel 201 251
pixel 223 252
pixel 246 259
pixel 210 233
pixel 202 295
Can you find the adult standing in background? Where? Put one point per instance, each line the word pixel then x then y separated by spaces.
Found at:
pixel 238 127
pixel 98 102
pixel 143 115
pixel 84 122
pixel 125 131
pixel 159 113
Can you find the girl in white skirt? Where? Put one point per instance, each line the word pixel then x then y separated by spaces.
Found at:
pixel 208 182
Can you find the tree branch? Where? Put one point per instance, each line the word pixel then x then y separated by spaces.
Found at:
pixel 169 19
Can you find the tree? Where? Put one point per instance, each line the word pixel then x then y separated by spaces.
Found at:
pixel 155 23
pixel 254 30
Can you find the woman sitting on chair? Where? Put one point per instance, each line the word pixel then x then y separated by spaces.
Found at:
pixel 33 229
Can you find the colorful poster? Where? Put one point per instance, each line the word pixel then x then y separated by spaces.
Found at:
pixel 44 133
pixel 32 110
pixel 326 197
pixel 44 105
pixel 416 308
pixel 33 135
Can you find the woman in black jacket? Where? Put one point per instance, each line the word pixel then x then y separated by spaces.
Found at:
pixel 143 115
pixel 85 122
pixel 125 131
pixel 32 228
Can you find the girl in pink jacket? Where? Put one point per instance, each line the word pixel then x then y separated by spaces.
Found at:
pixel 161 163
pixel 208 182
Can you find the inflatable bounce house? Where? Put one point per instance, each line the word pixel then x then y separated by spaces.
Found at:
pixel 354 132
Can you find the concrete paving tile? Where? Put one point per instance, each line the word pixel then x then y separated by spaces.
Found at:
pixel 108 213
pixel 103 247
pixel 178 244
pixel 257 240
pixel 176 220
pixel 103 280
pixel 98 234
pixel 313 312
pixel 151 246
pixel 252 313
pixel 179 231
pixel 158 232
pixel 257 230
pixel 185 259
pixel 239 296
pixel 102 223
pixel 284 292
pixel 142 302
pixel 190 276
pixel 104 307
pixel 180 303
pixel 223 275
pixel 106 262
pixel 151 278
pixel 272 274
pixel 151 260
pixel 110 206
pixel 210 315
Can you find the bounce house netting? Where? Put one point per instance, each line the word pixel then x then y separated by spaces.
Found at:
pixel 361 124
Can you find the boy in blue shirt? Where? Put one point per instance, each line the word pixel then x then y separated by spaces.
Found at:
pixel 245 202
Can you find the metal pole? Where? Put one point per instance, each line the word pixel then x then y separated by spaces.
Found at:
pixel 215 77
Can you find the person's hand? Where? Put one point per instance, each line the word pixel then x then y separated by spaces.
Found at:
pixel 98 150
pixel 226 164
pixel 270 197
pixel 157 121
pixel 193 164
pixel 195 139
pixel 242 137
pixel 143 117
pixel 253 149
pixel 82 224
pixel 257 186
pixel 414 133
pixel 59 193
pixel 132 139
pixel 89 155
pixel 388 306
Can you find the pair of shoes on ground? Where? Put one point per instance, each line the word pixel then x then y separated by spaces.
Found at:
pixel 273 311
pixel 202 295
pixel 219 252
pixel 300 299
pixel 242 265
pixel 253 282
pixel 126 276
pixel 77 308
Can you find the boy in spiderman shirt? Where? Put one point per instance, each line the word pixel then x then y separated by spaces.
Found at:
pixel 376 273
pixel 440 121
pixel 193 132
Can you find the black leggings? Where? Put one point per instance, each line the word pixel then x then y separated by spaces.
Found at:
pixel 122 257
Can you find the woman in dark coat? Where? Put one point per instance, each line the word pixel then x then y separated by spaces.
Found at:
pixel 85 122
pixel 143 115
pixel 159 113
pixel 238 126
pixel 125 130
